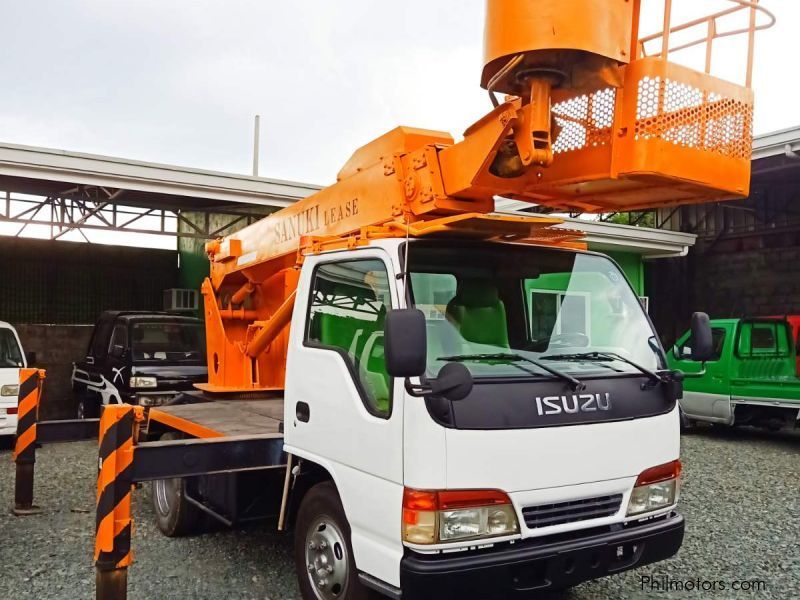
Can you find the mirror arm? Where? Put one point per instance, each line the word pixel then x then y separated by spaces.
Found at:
pixel 417 391
pixel 697 375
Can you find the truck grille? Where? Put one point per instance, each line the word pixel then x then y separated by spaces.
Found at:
pixel 546 515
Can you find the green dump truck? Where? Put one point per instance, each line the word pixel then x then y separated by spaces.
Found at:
pixel 751 378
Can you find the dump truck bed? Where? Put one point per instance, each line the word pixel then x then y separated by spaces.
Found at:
pixel 223 418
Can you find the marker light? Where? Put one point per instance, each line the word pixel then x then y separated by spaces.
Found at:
pixel 430 517
pixel 656 488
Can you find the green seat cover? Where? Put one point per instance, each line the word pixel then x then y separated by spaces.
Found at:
pixel 478 313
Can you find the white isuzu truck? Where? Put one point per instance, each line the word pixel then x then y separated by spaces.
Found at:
pixel 551 459
pixel 460 418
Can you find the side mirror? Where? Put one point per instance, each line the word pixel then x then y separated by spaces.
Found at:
pixel 30 358
pixel 702 340
pixel 117 351
pixel 454 382
pixel 405 342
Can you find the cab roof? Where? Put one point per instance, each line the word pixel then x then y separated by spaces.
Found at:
pixel 138 315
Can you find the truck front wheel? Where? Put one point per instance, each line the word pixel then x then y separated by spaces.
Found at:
pixel 323 554
pixel 88 407
pixel 175 516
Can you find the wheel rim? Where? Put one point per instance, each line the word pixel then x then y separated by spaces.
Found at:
pixel 165 490
pixel 326 559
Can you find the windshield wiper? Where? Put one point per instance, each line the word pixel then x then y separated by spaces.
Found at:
pixel 607 356
pixel 576 384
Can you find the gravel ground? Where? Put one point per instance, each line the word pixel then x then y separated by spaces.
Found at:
pixel 741 499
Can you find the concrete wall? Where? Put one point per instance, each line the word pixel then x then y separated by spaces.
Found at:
pixel 742 277
pixel 56 347
pixel 749 283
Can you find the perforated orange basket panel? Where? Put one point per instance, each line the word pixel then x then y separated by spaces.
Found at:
pixel 670 135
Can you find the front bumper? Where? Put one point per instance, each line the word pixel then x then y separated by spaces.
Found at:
pixel 530 567
pixel 157 397
pixel 8 424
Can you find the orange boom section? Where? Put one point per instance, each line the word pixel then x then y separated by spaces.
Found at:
pixel 590 122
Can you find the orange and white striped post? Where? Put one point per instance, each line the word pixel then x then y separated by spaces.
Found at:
pixel 112 553
pixel 30 390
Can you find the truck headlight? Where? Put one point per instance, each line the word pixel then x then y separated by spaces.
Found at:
pixel 657 487
pixel 9 390
pixel 430 517
pixel 138 381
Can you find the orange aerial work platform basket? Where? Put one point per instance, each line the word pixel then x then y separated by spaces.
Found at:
pixel 648 133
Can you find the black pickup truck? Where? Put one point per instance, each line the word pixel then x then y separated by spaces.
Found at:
pixel 145 358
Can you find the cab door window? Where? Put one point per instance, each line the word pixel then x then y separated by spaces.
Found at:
pixel 717 343
pixel 99 344
pixel 10 355
pixel 347 310
pixel 119 337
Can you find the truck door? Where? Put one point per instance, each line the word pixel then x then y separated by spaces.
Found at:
pixel 89 378
pixel 341 409
pixel 708 397
pixel 116 369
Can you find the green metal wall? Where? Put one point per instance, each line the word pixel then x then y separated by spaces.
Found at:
pixel 633 267
pixel 193 259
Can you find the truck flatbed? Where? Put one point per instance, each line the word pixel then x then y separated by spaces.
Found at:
pixel 224 418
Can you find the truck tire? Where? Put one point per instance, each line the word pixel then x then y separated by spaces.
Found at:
pixel 323 555
pixel 686 423
pixel 175 516
pixel 88 407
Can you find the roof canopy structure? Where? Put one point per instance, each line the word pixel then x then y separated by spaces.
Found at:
pixel 87 191
pixel 45 171
pixel 612 237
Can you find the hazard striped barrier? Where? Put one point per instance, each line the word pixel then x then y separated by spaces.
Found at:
pixel 30 390
pixel 112 555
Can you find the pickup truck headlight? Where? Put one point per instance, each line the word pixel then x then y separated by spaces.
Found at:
pixel 430 517
pixel 9 390
pixel 138 381
pixel 655 488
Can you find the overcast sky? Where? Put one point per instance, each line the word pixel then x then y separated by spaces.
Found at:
pixel 178 81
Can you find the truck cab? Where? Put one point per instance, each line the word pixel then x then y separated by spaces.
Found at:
pixel 145 358
pixel 751 378
pixel 12 358
pixel 559 464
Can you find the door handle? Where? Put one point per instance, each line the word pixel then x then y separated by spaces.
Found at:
pixel 302 411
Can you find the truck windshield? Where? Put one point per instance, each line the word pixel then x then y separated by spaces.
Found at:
pixel 10 354
pixel 500 309
pixel 165 341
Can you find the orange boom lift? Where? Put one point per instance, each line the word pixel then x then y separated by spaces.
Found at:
pixel 593 120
